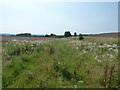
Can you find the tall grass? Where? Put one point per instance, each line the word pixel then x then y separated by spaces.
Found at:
pixel 60 64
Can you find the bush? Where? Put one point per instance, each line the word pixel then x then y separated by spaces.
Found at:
pixel 81 37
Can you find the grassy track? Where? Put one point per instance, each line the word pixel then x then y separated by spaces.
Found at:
pixel 63 63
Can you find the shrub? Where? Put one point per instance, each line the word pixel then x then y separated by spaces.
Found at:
pixel 81 37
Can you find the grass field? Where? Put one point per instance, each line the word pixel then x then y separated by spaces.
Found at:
pixel 60 63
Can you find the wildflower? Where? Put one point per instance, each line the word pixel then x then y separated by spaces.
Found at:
pixel 58 62
pixel 14 45
pixel 94 43
pixel 114 45
pixel 98 60
pixel 110 49
pixel 84 51
pixel 90 43
pixel 6 43
pixel 14 40
pixel 80 81
pixel 75 86
pixel 111 56
pixel 103 55
pixel 76 47
pixel 116 50
pixel 100 46
pixel 32 45
pixel 108 45
pixel 29 72
pixel 96 57
pixel 105 44
pixel 107 54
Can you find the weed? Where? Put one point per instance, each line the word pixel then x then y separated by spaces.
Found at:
pixel 66 62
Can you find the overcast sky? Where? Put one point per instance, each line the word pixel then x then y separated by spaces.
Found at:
pixel 58 17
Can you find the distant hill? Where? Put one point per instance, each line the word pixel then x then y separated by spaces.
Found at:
pixel 8 34
pixel 115 35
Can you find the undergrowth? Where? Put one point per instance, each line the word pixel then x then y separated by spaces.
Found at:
pixel 58 64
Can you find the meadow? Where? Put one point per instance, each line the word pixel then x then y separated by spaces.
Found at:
pixel 60 63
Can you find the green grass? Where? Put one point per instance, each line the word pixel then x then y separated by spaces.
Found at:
pixel 63 63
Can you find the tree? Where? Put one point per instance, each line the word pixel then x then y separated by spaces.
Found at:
pixel 52 35
pixel 81 37
pixel 24 34
pixel 75 34
pixel 67 34
pixel 46 35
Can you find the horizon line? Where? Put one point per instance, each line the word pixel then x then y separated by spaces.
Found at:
pixel 58 34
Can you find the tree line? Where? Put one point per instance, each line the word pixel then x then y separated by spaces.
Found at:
pixel 66 34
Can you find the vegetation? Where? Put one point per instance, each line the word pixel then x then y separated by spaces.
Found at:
pixel 75 34
pixel 81 37
pixel 62 63
pixel 67 34
pixel 53 35
pixel 24 34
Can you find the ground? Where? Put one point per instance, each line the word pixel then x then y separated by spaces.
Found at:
pixel 60 63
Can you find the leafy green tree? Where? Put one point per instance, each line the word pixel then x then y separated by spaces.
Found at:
pixel 75 34
pixel 67 34
pixel 24 34
pixel 46 35
pixel 52 35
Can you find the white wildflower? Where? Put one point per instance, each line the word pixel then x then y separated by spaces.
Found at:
pixel 116 50
pixel 98 60
pixel 108 45
pixel 90 43
pixel 29 72
pixel 80 81
pixel 110 49
pixel 108 54
pixel 32 45
pixel 114 45
pixel 84 51
pixel 58 62
pixel 6 43
pixel 75 86
pixel 14 45
pixel 111 56
pixel 103 55
pixel 14 40
pixel 76 47
pixel 94 43
pixel 96 57
pixel 100 46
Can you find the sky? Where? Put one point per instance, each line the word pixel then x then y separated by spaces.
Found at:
pixel 58 17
